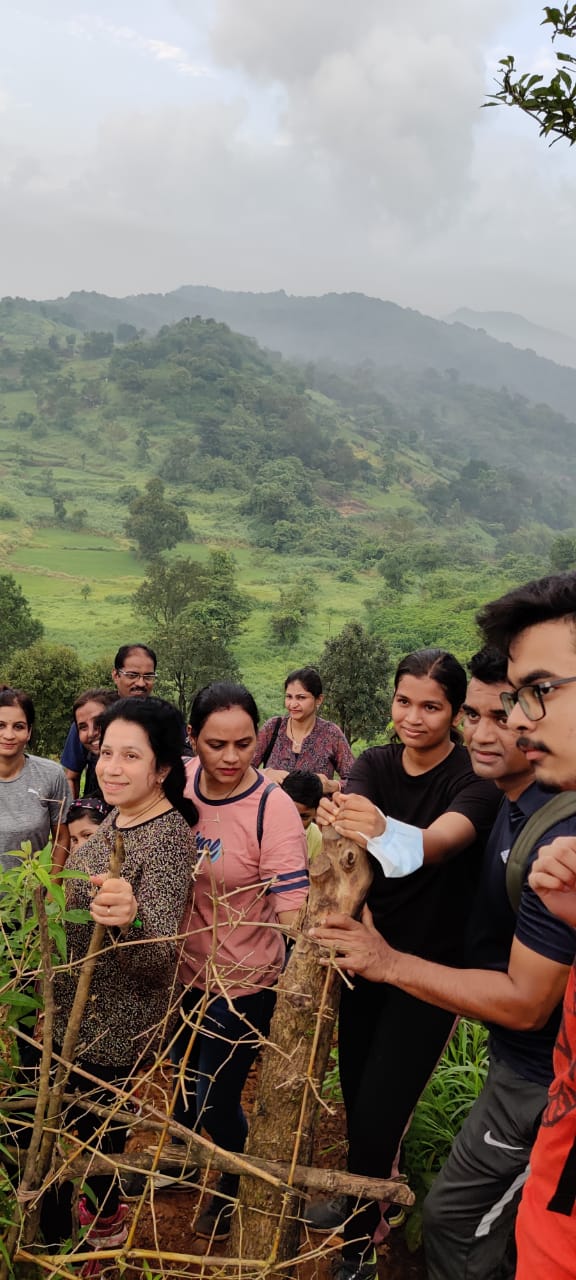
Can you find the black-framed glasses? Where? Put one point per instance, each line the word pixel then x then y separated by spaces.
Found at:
pixel 531 697
pixel 148 676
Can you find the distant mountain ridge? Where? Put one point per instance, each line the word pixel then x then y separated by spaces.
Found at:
pixel 507 326
pixel 346 328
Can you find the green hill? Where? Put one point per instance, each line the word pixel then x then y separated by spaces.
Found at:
pixel 352 503
pixel 347 328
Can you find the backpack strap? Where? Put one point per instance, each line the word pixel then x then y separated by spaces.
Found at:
pixel 272 743
pixel 561 806
pixel 261 811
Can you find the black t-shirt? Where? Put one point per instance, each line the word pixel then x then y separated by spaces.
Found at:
pixel 426 913
pixel 493 926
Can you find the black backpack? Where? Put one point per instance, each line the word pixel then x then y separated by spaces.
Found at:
pixel 555 810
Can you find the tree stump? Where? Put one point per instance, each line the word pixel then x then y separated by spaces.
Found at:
pixel 294 1060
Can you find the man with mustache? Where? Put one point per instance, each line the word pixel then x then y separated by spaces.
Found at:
pixel 536 626
pixel 520 969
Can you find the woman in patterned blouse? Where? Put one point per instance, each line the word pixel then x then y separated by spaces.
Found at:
pixel 301 739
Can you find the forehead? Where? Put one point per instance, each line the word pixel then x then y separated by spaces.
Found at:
pixel 228 723
pixel 89 710
pixel 137 660
pixel 485 697
pixel 123 734
pixel 421 689
pixel 297 687
pixel 548 648
pixel 13 714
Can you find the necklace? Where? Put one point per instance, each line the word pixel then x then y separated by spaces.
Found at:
pixel 297 742
pixel 134 818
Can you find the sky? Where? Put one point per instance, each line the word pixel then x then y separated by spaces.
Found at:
pixel 306 145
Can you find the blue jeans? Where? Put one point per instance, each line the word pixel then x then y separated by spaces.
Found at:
pixel 224 1049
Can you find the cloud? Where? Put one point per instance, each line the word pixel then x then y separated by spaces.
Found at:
pixel 338 146
pixel 85 27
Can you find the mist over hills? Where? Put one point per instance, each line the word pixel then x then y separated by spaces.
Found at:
pixel 506 326
pixel 348 329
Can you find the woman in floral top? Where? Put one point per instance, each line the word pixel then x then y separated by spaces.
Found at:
pixel 301 739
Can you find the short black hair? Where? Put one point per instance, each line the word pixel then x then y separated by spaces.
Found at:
pixel 308 677
pixel 125 651
pixel 303 788
pixel 548 599
pixel 489 666
pixel 104 696
pixel 162 724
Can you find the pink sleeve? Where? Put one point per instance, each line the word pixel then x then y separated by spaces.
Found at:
pixel 284 853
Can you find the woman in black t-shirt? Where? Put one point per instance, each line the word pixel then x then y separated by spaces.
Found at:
pixel 389 1041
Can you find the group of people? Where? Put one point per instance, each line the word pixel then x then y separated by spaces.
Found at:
pixel 218 825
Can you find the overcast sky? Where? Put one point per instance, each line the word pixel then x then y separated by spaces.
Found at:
pixel 310 145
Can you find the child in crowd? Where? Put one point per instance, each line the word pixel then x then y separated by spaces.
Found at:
pixel 305 790
pixel 85 816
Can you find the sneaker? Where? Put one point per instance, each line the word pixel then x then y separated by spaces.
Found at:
pixel 215 1220
pixel 101 1233
pixel 327 1215
pixel 362 1269
pixel 170 1178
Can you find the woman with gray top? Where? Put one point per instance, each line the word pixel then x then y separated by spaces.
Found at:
pixel 34 793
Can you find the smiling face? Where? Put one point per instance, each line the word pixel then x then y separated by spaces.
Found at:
pixel 538 654
pixel 225 745
pixel 491 742
pixel 85 717
pixel 299 703
pixel 137 676
pixel 422 714
pixel 14 732
pixel 127 769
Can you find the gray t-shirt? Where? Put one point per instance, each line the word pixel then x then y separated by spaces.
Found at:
pixel 30 805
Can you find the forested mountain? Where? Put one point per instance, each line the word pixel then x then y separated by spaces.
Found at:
pixel 398 497
pixel 506 326
pixel 347 328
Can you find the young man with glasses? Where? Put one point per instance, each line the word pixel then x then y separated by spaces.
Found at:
pixel 519 968
pixel 134 674
pixel 536 627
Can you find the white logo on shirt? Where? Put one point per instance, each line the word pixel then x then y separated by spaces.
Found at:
pixel 504 854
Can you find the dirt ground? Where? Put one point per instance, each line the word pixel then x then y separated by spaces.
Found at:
pixel 169 1225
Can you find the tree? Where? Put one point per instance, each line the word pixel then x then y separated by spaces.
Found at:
pixel 180 585
pixel 355 668
pixel 155 523
pixel 52 675
pixel 59 508
pixel 551 104
pixel 190 656
pixel 85 592
pixel 563 552
pixel 18 629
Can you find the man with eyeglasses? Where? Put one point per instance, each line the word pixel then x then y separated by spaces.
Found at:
pixel 536 627
pixel 518 972
pixel 134 674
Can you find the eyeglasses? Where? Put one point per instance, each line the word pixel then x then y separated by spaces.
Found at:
pixel 531 697
pixel 147 676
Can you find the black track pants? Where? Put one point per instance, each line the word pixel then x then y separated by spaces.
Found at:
pixel 389 1045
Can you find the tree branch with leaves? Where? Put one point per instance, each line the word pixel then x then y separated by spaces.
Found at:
pixel 551 104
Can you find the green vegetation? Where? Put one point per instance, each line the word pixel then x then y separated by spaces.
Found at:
pixel 551 104
pixel 340 496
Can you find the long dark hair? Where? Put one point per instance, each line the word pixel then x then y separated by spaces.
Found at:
pixel 445 669
pixel 162 724
pixel 220 695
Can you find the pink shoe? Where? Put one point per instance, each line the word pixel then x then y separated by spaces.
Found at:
pixel 102 1233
